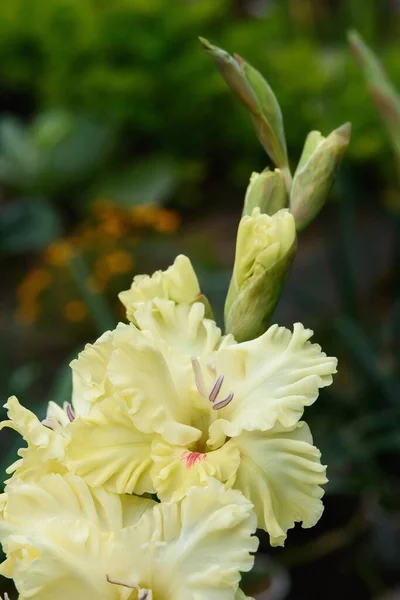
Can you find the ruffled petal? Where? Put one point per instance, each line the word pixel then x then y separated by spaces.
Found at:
pixel 68 559
pixel 273 378
pixel 28 504
pixel 280 472
pixel 157 383
pixel 178 283
pixel 181 326
pixel 58 535
pixel 177 469
pixel 106 449
pixel 193 550
pixel 89 373
pixel 45 449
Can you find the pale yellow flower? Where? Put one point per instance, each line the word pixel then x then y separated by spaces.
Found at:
pixel 65 540
pixel 46 440
pixel 45 449
pixel 178 283
pixel 180 403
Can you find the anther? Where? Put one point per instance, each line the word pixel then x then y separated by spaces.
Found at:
pixel 216 388
pixel 70 412
pixel 224 402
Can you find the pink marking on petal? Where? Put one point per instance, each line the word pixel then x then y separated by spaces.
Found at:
pixel 191 458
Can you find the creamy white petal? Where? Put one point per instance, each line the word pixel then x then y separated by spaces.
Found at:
pixel 107 449
pixel 181 326
pixel 193 550
pixel 89 373
pixel 157 389
pixel 280 472
pixel 66 560
pixel 178 283
pixel 176 469
pixel 58 535
pixel 28 504
pixel 45 449
pixel 273 378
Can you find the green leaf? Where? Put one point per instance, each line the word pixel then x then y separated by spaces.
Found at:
pixel 28 225
pixel 149 182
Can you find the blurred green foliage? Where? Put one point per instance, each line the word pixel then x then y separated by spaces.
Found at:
pixel 384 95
pixel 137 64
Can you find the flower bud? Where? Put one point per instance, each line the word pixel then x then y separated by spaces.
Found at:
pixel 259 99
pixel 267 191
pixel 315 173
pixel 265 248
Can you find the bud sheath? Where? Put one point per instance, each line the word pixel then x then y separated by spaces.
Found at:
pixel 316 172
pixel 265 249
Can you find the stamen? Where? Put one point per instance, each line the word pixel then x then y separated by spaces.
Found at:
pixel 224 402
pixel 127 585
pixel 198 377
pixel 216 388
pixel 70 412
pixel 49 422
pixel 143 594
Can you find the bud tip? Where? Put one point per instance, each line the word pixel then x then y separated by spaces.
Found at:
pixel 344 131
pixel 205 43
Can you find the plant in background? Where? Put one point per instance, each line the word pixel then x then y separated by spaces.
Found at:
pixel 105 245
pixel 383 93
pixel 38 164
pixel 168 406
pixel 103 60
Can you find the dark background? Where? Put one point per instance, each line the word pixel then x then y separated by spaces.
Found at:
pixel 121 146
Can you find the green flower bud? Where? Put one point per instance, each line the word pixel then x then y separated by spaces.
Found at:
pixel 267 191
pixel 233 75
pixel 268 122
pixel 315 173
pixel 265 248
pixel 259 99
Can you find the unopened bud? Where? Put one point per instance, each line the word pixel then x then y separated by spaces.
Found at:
pixel 265 248
pixel 267 191
pixel 315 173
pixel 259 99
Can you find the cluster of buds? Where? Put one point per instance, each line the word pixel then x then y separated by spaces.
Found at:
pixel 277 203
